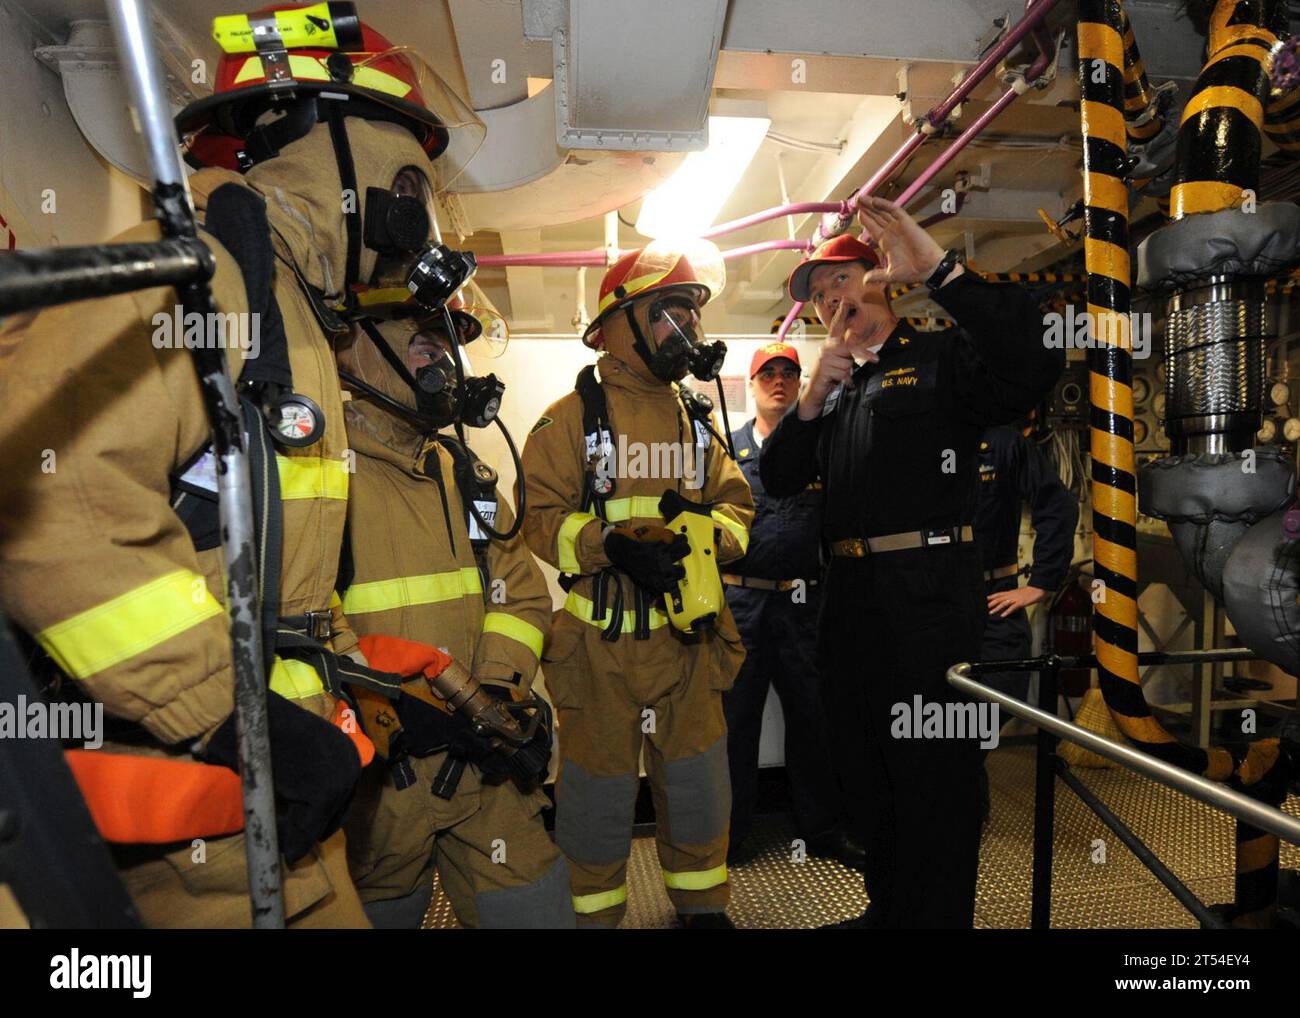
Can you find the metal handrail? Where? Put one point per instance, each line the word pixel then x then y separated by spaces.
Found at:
pixel 1259 815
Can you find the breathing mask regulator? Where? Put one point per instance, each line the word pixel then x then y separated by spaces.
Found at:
pixel 680 352
pixel 397 227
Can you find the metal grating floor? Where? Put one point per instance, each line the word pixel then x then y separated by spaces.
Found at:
pixel 1194 841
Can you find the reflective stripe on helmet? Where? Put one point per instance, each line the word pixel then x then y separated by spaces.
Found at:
pixel 309 68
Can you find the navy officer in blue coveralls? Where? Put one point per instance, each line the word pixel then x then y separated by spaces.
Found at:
pixel 890 422
pixel 775 595
pixel 1014 471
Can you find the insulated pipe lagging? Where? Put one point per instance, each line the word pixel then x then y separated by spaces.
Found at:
pixel 1110 362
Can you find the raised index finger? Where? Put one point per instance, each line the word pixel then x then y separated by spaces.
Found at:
pixel 836 322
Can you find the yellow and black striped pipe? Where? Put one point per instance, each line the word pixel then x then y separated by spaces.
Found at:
pixel 1110 363
pixel 1138 94
pixel 1218 158
pixel 1219 135
pixel 1282 120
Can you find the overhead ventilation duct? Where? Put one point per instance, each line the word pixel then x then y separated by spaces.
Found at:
pixel 634 77
pixel 88 65
pixel 521 179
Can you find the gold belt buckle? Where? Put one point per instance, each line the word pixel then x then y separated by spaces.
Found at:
pixel 852 547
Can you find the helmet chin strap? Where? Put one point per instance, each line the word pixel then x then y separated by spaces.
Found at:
pixel 639 343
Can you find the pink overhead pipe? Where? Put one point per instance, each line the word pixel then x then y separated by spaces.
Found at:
pixel 1035 11
pixel 551 259
pixel 838 215
pixel 795 209
pixel 766 245
pixel 578 259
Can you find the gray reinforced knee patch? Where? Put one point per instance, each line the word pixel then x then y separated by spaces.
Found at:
pixel 699 796
pixel 545 904
pixel 405 913
pixel 593 815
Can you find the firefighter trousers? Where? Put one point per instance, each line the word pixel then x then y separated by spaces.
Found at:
pixel 615 701
pixel 488 845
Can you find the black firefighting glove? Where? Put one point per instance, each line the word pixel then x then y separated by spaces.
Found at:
pixel 428 729
pixel 314 768
pixel 650 557
pixel 526 764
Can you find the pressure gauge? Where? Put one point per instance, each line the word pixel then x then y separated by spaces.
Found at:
pixel 296 420
pixel 1268 431
pixel 1291 429
pixel 1141 389
pixel 1158 405
pixel 1139 431
pixel 1280 394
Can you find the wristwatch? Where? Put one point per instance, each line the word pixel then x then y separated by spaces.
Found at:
pixel 945 266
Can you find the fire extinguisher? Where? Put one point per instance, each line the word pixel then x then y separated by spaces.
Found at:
pixel 1070 633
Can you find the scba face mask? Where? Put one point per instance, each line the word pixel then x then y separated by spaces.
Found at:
pixel 474 403
pixel 444 394
pixel 680 352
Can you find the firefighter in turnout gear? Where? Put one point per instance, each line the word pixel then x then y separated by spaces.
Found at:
pixel 607 466
pixel 109 548
pixel 420 567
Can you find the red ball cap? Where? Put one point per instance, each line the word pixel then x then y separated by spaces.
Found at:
pixel 771 352
pixel 844 248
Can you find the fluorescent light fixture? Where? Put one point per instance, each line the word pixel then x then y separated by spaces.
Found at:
pixel 687 203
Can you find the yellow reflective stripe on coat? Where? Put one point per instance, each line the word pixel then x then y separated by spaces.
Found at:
pixel 737 531
pixel 312 477
pixel 619 510
pixel 406 591
pixel 294 679
pixel 129 624
pixel 582 608
pixel 566 542
pixel 515 629
pixel 585 904
pixel 696 880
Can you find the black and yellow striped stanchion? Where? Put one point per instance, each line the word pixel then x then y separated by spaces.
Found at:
pixel 1110 363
